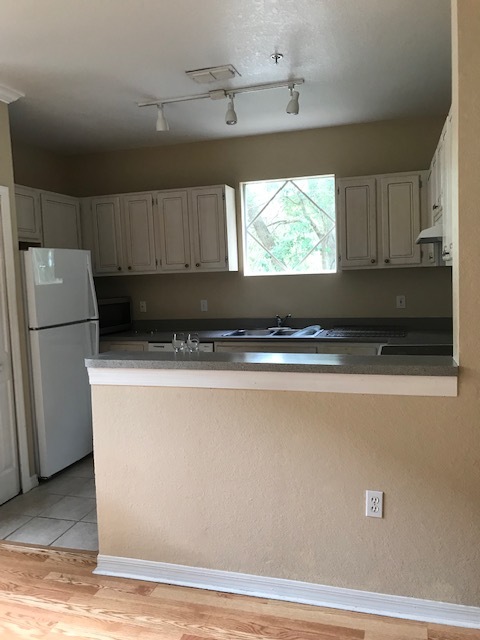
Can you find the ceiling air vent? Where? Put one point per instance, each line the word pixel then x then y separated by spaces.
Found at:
pixel 213 74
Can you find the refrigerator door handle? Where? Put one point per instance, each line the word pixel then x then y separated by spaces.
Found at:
pixel 95 337
pixel 93 297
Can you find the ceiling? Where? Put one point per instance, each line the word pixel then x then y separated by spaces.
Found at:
pixel 84 64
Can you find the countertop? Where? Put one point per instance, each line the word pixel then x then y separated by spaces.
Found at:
pixel 222 335
pixel 279 362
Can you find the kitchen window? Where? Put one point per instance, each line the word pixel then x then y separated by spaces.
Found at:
pixel 289 226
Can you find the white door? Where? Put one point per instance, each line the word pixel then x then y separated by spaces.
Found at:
pixel 9 468
pixel 61 221
pixel 357 213
pixel 63 413
pixel 59 287
pixel 139 236
pixel 400 206
pixel 209 235
pixel 107 234
pixel 173 231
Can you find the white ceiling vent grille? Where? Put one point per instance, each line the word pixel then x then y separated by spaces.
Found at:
pixel 213 74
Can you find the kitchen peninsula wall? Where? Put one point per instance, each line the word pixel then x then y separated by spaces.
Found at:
pixel 362 149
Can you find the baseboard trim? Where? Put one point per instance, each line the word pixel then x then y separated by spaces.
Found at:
pixel 291 591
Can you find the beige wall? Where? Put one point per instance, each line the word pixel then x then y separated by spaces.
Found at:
pixel 40 168
pixel 346 151
pixel 230 295
pixel 362 149
pixel 273 483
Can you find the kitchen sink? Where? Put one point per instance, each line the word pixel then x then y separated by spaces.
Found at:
pixel 251 333
pixel 306 332
pixel 285 331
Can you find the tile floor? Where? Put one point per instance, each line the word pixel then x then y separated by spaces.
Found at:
pixel 60 512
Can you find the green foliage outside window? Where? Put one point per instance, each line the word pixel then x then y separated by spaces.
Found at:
pixel 289 226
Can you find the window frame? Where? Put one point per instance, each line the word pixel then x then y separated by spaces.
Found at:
pixel 242 185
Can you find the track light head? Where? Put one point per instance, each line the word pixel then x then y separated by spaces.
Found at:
pixel 293 106
pixel 162 124
pixel 231 116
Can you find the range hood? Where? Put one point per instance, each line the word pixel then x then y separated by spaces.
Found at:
pixel 432 234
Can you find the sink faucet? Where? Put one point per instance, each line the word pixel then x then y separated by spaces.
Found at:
pixel 281 321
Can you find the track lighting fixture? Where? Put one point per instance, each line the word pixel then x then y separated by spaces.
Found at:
pixel 231 116
pixel 162 124
pixel 292 106
pixel 220 94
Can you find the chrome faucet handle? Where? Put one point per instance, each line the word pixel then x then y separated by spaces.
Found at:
pixel 281 321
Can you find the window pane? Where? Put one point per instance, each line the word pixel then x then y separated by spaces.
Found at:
pixel 289 226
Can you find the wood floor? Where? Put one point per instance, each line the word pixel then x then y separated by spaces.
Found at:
pixel 49 593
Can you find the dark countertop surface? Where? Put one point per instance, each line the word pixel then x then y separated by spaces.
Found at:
pixel 222 335
pixel 280 362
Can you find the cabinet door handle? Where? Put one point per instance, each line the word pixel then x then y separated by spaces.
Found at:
pixel 387 261
pixel 197 264
pixel 129 268
pixel 186 266
pixel 373 260
pixel 119 268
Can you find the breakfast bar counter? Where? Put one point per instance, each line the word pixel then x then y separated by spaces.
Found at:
pixel 397 375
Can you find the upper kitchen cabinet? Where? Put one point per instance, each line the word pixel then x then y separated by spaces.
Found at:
pixel 29 214
pixel 214 229
pixel 49 219
pixel 440 195
pixel 357 211
pixel 139 237
pixel 447 215
pixel 106 220
pixel 379 219
pixel 179 231
pixel 400 219
pixel 61 221
pixel 172 227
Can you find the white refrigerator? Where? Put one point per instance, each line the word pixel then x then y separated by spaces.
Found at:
pixel 63 331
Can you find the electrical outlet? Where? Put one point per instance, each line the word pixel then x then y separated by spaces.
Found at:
pixel 143 306
pixel 374 504
pixel 203 305
pixel 401 302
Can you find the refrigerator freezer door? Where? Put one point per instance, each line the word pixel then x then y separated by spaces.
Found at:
pixel 63 413
pixel 59 287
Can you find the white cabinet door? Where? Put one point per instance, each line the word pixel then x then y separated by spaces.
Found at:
pixel 61 221
pixel 122 345
pixel 209 229
pixel 29 219
pixel 107 235
pixel 172 229
pixel 264 347
pixel 357 221
pixel 139 235
pixel 400 208
pixel 349 349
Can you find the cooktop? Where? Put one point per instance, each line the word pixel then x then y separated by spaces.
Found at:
pixel 365 332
